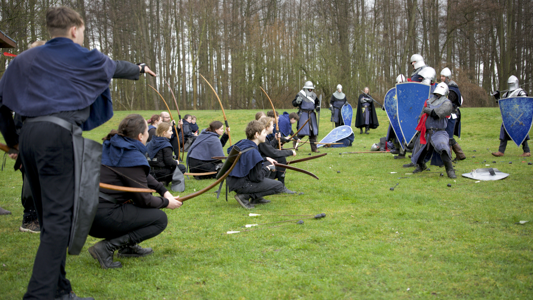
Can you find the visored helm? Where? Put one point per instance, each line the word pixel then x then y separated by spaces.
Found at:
pixel 441 89
pixel 418 61
pixel 309 85
pixel 513 83
pixel 400 78
pixel 339 87
pixel 446 72
pixel 374 147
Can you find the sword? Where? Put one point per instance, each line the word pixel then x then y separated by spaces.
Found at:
pixel 373 99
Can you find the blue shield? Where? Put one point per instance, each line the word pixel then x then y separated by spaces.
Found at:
pixel 411 97
pixel 337 134
pixel 517 115
pixel 391 108
pixel 347 114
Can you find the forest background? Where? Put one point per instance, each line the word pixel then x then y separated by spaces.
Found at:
pixel 240 45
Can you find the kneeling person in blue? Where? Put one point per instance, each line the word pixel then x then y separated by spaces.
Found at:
pixel 125 219
pixel 209 144
pixel 249 178
pixel 160 154
pixel 269 149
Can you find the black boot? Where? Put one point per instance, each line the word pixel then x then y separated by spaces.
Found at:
pixel 367 128
pixel 134 251
pixel 103 251
pixel 420 167
pixel 448 165
pixel 361 130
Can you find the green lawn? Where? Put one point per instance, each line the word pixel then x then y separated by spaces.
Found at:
pixel 422 240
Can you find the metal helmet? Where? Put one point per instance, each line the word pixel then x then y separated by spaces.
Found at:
pixel 400 78
pixel 429 75
pixel 339 87
pixel 418 60
pixel 513 83
pixel 446 72
pixel 441 89
pixel 309 85
pixel 374 147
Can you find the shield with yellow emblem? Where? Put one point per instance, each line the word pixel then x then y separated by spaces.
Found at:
pixel 517 115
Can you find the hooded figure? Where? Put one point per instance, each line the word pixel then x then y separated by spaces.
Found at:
pixel 366 112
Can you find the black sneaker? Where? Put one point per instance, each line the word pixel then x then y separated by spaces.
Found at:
pixel 243 201
pixel 260 201
pixel 399 157
pixel 4 211
pixel 32 226
pixel 409 165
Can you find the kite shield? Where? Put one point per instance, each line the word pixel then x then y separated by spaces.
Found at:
pixel 337 134
pixel 517 116
pixel 347 114
pixel 391 108
pixel 411 97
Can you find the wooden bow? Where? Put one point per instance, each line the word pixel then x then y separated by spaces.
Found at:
pixel 199 174
pixel 179 116
pixel 125 188
pixel 275 116
pixel 292 136
pixel 222 107
pixel 190 196
pixel 171 117
pixel 306 158
pixel 295 169
pixel 9 150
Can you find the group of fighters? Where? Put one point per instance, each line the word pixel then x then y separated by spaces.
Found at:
pixel 60 88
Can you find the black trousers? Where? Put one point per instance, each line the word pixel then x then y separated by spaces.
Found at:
pixel 26 199
pixel 503 145
pixel 48 160
pixel 259 189
pixel 165 175
pixel 200 166
pixel 115 220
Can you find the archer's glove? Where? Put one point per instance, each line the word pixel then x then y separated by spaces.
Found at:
pixel 427 110
pixel 317 109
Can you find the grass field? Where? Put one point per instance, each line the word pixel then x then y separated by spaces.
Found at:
pixel 423 240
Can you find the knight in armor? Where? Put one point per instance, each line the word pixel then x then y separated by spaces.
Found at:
pixel 514 91
pixel 454 122
pixel 366 112
pixel 338 100
pixel 391 135
pixel 307 103
pixel 422 73
pixel 433 138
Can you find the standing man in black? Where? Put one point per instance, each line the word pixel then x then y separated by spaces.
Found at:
pixel 366 112
pixel 70 93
